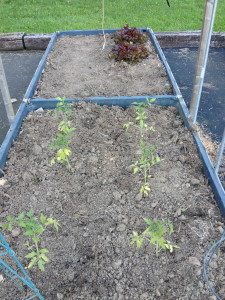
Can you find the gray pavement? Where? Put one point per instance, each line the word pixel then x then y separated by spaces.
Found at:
pixel 19 69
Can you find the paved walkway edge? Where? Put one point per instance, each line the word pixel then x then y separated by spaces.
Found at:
pixel 39 41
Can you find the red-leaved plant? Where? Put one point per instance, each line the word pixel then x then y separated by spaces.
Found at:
pixel 131 53
pixel 130 35
pixel 129 45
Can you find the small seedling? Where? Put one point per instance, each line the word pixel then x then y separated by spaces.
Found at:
pixel 143 165
pixel 61 143
pixel 63 107
pixel 212 243
pixel 147 159
pixel 32 227
pixel 154 234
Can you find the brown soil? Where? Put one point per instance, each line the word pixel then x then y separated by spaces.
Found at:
pixel 98 206
pixel 79 68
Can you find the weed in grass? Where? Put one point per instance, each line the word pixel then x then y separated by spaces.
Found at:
pixel 33 227
pixel 155 234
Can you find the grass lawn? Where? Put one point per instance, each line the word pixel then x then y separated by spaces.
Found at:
pixel 47 16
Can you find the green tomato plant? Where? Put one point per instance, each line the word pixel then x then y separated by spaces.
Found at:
pixel 155 234
pixel 61 143
pixel 34 228
pixel 148 158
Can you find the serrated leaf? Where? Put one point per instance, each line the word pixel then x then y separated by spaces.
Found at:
pixel 22 224
pixel 41 265
pixel 30 255
pixel 29 232
pixel 149 222
pixel 44 257
pixel 139 242
pixel 5 226
pixel 44 250
pixel 36 239
pixel 10 219
pixel 32 262
pixel 30 213
pixel 136 170
pixel 42 218
pixel 21 216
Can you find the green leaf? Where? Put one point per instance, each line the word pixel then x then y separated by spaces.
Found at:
pixel 10 219
pixel 10 227
pixel 36 239
pixel 170 227
pixel 149 222
pixel 21 216
pixel 22 224
pixel 29 232
pixel 56 225
pixel 41 265
pixel 52 162
pixel 158 159
pixel 32 262
pixel 30 255
pixel 39 230
pixel 136 170
pixel 139 242
pixel 44 250
pixel 42 219
pixel 30 213
pixel 44 257
pixel 4 226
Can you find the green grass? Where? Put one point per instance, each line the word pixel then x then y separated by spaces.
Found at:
pixel 47 16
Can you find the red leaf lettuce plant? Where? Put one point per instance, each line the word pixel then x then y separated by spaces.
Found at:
pixel 130 45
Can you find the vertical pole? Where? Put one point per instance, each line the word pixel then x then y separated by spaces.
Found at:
pixel 222 145
pixel 5 93
pixel 210 10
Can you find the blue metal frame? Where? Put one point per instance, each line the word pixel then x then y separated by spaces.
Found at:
pixel 173 100
pixel 10 272
pixel 37 75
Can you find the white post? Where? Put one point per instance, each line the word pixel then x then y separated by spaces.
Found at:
pixel 210 10
pixel 220 154
pixel 5 93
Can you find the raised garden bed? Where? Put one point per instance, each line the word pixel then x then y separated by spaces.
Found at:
pixel 75 59
pixel 98 203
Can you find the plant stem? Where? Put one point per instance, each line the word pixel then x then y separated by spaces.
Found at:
pixel 37 249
